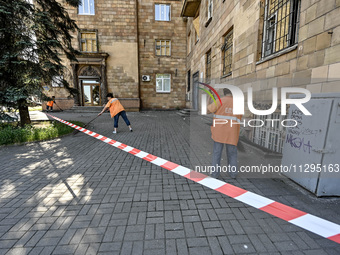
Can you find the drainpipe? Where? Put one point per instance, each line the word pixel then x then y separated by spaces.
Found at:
pixel 138 62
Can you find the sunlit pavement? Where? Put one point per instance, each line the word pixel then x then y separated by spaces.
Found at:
pixel 77 195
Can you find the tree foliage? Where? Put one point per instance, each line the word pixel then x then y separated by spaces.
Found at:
pixel 33 38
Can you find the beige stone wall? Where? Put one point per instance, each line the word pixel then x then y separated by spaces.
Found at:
pixel 313 64
pixel 150 64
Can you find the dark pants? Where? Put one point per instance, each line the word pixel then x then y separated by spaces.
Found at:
pixel 116 118
pixel 231 156
pixel 49 108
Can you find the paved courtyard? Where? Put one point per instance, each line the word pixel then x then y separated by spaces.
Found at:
pixel 77 195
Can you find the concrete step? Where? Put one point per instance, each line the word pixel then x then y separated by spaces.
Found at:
pixel 85 109
pixel 186 112
pixel 189 110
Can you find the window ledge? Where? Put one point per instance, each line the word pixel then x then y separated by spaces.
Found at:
pixel 87 14
pixel 277 54
pixel 163 92
pixel 208 22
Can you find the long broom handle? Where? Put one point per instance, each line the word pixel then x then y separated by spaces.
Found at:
pixel 76 131
pixel 92 120
pixel 58 106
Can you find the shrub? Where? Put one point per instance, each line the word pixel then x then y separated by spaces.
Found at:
pixel 11 134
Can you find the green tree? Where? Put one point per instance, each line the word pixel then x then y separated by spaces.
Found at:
pixel 33 39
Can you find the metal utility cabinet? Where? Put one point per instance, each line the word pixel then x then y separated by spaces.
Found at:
pixel 312 149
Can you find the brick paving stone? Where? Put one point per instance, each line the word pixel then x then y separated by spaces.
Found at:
pixel 19 251
pixel 76 195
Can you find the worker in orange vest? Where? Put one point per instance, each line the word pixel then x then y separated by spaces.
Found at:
pixel 116 110
pixel 49 105
pixel 225 132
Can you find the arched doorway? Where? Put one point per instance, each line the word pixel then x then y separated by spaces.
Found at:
pixel 90 84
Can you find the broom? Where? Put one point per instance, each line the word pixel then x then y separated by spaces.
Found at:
pixel 85 126
pixel 58 106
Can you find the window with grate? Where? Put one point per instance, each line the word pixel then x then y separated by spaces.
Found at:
pixel 163 47
pixel 272 134
pixel 88 42
pixel 281 22
pixel 86 7
pixel 208 66
pixel 227 53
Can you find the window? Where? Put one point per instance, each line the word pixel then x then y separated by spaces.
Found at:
pixel 57 81
pixel 189 80
pixel 281 22
pixel 163 48
pixel 88 42
pixel 208 66
pixel 227 53
pixel 270 136
pixel 162 12
pixel 209 8
pixel 163 82
pixel 86 7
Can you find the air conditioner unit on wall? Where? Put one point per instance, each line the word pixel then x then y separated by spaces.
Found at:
pixel 146 78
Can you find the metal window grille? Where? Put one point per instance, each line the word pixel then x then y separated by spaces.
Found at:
pixel 227 50
pixel 281 22
pixel 272 134
pixel 86 7
pixel 163 48
pixel 208 66
pixel 88 42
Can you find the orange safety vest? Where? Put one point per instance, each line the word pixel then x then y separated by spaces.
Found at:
pixel 115 107
pixel 225 133
pixel 50 103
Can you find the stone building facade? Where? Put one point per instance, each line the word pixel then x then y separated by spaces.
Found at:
pixel 263 44
pixel 170 59
pixel 118 40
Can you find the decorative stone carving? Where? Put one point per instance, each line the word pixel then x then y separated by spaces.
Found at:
pixel 90 71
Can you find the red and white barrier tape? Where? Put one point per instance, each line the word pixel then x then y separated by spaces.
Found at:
pixel 299 218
